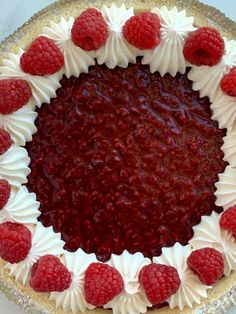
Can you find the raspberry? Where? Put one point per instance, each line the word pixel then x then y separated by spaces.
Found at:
pixel 15 242
pixel 5 141
pixel 49 274
pixel 143 30
pixel 228 220
pixel 43 57
pixel 13 95
pixel 101 284
pixel 159 282
pixel 204 46
pixel 89 31
pixel 228 83
pixel 208 264
pixel 5 191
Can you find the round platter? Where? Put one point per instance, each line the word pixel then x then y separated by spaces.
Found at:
pixel 223 295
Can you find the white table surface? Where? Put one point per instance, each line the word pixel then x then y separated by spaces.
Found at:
pixel 14 13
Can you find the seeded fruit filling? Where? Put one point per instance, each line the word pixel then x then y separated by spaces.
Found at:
pixel 125 159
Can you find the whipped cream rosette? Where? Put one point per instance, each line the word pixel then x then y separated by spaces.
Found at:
pixel 73 298
pixel 132 299
pixel 168 56
pixel 44 241
pixel 76 60
pixel 14 166
pixel 116 51
pixel 21 207
pixel 43 88
pixel 20 124
pixel 207 79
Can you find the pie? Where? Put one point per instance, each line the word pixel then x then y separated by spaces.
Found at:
pixel 117 161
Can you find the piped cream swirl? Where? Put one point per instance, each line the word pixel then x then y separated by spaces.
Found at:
pixel 226 188
pixel 206 79
pixel 132 300
pixel 191 290
pixel 21 207
pixel 116 51
pixel 20 124
pixel 76 59
pixel 14 166
pixel 229 148
pixel 43 87
pixel 224 111
pixel 168 56
pixel 209 234
pixel 44 241
pixel 73 299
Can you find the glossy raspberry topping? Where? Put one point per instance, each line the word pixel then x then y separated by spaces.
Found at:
pixel 125 159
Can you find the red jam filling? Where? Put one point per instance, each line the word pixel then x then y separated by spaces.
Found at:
pixel 125 159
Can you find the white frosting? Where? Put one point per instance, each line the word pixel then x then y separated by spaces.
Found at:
pixel 191 289
pixel 209 234
pixel 224 111
pixel 206 79
pixel 132 300
pixel 168 56
pixel 73 298
pixel 44 241
pixel 226 188
pixel 14 166
pixel 43 87
pixel 21 207
pixel 76 60
pixel 116 51
pixel 20 124
pixel 229 149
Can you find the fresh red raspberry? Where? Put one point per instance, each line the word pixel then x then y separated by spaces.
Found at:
pixel 228 220
pixel 143 30
pixel 101 284
pixel 208 264
pixel 15 242
pixel 5 141
pixel 43 57
pixel 13 95
pixel 228 83
pixel 205 46
pixel 5 191
pixel 49 274
pixel 89 31
pixel 159 282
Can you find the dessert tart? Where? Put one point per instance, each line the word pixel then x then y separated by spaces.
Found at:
pixel 117 160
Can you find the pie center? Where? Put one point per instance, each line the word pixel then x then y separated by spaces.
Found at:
pixel 125 159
